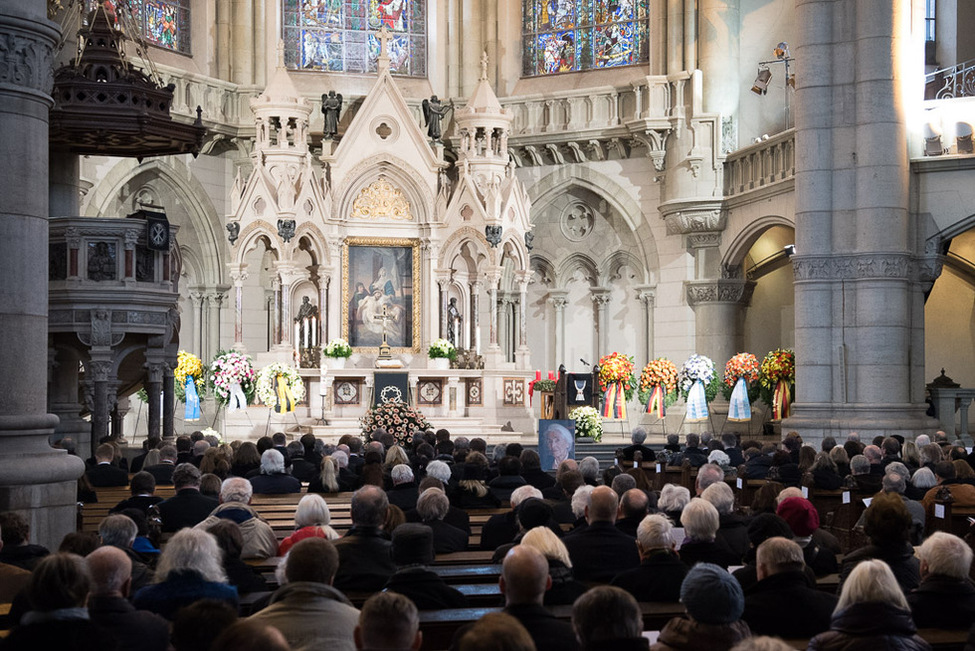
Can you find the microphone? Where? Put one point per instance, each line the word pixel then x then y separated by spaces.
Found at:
pixel 584 361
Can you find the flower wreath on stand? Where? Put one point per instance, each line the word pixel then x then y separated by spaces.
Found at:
pixel 190 383
pixel 616 383
pixel 589 422
pixel 279 386
pixel 658 386
pixel 777 378
pixel 740 386
pixel 232 377
pixel 396 417
pixel 699 385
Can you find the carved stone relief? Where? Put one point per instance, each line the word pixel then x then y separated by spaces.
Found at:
pixel 381 200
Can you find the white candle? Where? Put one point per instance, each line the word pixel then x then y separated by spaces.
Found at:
pixel 297 341
pixel 314 331
pixel 306 339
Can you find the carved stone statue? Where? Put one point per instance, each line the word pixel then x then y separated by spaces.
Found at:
pixel 286 229
pixel 101 262
pixel 453 322
pixel 233 231
pixel 331 107
pixel 433 113
pixel 307 309
pixel 493 234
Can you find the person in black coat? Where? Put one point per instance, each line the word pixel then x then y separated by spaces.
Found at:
pixel 757 465
pixel 109 608
pixel 701 521
pixel 188 507
pixel 162 472
pixel 274 478
pixel 783 602
pixel 691 453
pixel 524 580
pixel 509 478
pixel 239 574
pixel 946 596
pixel 412 553
pixel 142 487
pixel 601 551
pixel 432 507
pixel 637 437
pixel 887 524
pixel 103 474
pixel 151 443
pixel 404 491
pixel 365 551
pixel 502 528
pixel 661 571
pixel 531 470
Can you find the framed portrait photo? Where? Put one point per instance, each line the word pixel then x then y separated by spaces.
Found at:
pixel 381 293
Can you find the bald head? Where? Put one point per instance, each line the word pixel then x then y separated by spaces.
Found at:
pixel 602 505
pixel 524 576
pixel 110 570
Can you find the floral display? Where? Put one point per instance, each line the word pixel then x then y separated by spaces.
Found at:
pixel 544 385
pixel 699 368
pixel 267 387
pixel 337 348
pixel 660 372
pixel 777 378
pixel 188 364
pixel 589 422
pixel 396 417
pixel 442 348
pixel 230 368
pixel 617 368
pixel 741 366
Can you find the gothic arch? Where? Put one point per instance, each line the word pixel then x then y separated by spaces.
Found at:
pixel 251 235
pixel 749 235
pixel 182 182
pixel 317 239
pixel 568 175
pixel 455 244
pixel 399 172
pixel 620 259
pixel 573 262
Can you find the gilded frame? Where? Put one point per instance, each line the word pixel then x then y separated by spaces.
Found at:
pixel 359 254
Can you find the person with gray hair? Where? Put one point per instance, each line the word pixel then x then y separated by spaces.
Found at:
pixel 388 621
pixel 673 499
pixel 432 507
pixel 601 551
pixel 782 602
pixel 589 467
pixel 709 473
pixel 189 569
pixel 109 607
pixel 188 507
pixel 661 572
pixel 895 482
pixel 404 491
pixel 945 598
pixel 365 562
pixel 439 470
pixel 235 497
pixel 607 617
pixel 622 483
pixel 502 528
pixel 580 502
pixel 701 522
pixel 638 436
pixel 861 478
pixel 732 528
pixel 307 609
pixel 274 478
pixel 119 531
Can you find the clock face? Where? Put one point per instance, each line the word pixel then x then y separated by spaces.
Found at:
pixel 347 393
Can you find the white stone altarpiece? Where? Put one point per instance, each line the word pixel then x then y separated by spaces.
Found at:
pixel 388 226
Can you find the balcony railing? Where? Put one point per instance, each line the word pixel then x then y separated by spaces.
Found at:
pixel 761 164
pixel 951 82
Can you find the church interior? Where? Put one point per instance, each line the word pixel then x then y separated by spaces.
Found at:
pixel 540 182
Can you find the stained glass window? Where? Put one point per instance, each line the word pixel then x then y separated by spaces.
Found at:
pixel 166 23
pixel 569 35
pixel 343 35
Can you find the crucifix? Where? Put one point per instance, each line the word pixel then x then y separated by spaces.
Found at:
pixel 384 37
pixel 384 347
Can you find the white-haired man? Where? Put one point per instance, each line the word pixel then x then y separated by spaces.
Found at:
pixel 404 491
pixel 274 478
pixel 946 597
pixel 637 437
pixel 502 528
pixel 235 498
pixel 661 572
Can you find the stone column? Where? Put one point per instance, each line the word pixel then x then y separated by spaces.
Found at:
pixel 197 298
pixel 719 312
pixel 523 353
pixel 493 281
pixel 168 403
pixel 154 378
pixel 559 299
pixel 859 332
pixel 277 337
pixel 600 299
pixel 35 480
pixel 476 287
pixel 238 275
pixel 214 300
pixel 646 294
pixel 675 36
pixel 100 368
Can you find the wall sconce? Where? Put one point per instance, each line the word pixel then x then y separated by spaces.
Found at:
pixel 760 87
pixel 932 140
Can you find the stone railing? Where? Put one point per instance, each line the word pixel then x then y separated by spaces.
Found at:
pixel 948 401
pixel 761 164
pixel 223 103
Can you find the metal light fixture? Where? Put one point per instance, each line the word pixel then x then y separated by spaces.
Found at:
pixel 760 87
pixel 963 138
pixel 932 140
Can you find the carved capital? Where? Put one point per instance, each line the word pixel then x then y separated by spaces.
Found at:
pixel 647 295
pixel 28 54
pixel 600 296
pixel 686 217
pixel 101 370
pixel 719 291
pixel 131 238
pixel 559 299
pixel 703 240
pixel 864 266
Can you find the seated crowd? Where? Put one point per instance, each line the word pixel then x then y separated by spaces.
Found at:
pixel 745 576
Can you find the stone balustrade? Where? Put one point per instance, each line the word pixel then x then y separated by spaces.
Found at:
pixel 948 401
pixel 761 164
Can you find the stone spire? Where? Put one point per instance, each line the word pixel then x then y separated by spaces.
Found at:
pixel 484 127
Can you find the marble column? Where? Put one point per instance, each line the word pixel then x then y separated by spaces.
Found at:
pixel 212 336
pixel 859 267
pixel 523 353
pixel 476 287
pixel 197 298
pixel 601 299
pixel 646 294
pixel 559 299
pixel 238 276
pixel 100 368
pixel 35 480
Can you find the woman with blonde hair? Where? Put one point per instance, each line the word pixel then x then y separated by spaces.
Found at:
pixel 311 521
pixel 472 491
pixel 327 480
pixel 395 456
pixel 872 613
pixel 190 568
pixel 565 589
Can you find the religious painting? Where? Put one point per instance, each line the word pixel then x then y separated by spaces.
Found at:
pixel 556 442
pixel 381 293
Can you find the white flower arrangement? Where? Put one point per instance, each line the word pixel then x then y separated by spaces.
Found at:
pixel 265 383
pixel 230 367
pixel 697 367
pixel 588 422
pixel 441 348
pixel 338 348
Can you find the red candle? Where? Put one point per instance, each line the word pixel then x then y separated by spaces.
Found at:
pixel 551 375
pixel 538 375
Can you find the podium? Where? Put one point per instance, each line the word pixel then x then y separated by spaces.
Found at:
pixel 575 390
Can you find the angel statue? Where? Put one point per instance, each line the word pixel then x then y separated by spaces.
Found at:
pixel 331 107
pixel 433 113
